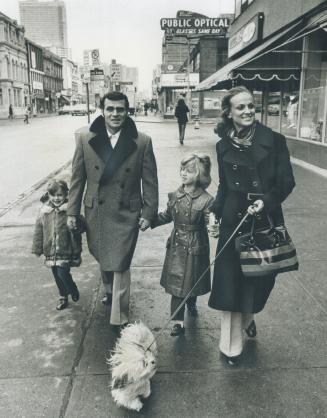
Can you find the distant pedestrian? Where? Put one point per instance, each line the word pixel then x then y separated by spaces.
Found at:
pixel 181 112
pixel 11 112
pixel 61 247
pixel 27 113
pixel 187 255
pixel 146 108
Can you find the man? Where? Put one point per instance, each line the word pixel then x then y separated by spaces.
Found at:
pixel 118 167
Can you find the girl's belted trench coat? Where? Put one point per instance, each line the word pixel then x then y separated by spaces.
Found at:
pixel 264 172
pixel 187 254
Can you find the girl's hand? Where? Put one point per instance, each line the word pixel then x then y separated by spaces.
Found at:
pixel 256 207
pixel 213 226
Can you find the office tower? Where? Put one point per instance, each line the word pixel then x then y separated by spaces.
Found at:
pixel 45 23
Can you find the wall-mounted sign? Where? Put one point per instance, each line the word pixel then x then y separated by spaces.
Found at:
pixel 248 34
pixel 178 80
pixel 96 75
pixel 37 85
pixel 193 24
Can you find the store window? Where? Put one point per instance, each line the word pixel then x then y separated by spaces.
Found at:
pixel 313 112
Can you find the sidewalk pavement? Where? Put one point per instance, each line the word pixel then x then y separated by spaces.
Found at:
pixel 52 364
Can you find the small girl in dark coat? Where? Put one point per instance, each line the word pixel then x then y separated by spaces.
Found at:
pixel 187 255
pixel 61 247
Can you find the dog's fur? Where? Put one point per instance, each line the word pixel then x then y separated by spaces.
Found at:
pixel 133 364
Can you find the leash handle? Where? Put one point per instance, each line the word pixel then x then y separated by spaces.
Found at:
pixel 199 279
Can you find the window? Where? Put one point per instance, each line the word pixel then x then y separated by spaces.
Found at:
pixel 1 98
pixel 241 6
pixel 313 112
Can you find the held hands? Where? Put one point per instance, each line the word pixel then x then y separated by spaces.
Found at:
pixel 256 207
pixel 72 222
pixel 143 224
pixel 213 226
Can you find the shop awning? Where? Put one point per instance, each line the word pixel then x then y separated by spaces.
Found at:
pixel 222 79
pixel 65 99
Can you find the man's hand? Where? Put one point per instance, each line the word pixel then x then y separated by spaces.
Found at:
pixel 256 207
pixel 72 222
pixel 143 224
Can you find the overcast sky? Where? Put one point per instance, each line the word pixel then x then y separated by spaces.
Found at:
pixel 127 30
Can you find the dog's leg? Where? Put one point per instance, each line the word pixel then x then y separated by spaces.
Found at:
pixel 146 390
pixel 135 404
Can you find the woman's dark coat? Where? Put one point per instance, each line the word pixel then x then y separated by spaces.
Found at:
pixel 187 255
pixel 264 168
pixel 181 113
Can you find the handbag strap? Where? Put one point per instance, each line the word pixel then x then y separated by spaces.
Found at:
pixel 270 220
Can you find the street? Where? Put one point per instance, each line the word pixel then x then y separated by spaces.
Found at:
pixel 28 153
pixel 52 364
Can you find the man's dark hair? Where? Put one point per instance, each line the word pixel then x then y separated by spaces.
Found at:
pixel 114 95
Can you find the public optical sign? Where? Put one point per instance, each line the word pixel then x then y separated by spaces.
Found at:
pixel 194 25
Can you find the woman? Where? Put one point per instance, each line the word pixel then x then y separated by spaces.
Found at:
pixel 181 111
pixel 255 175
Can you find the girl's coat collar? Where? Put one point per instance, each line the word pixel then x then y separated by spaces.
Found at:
pixel 48 208
pixel 181 192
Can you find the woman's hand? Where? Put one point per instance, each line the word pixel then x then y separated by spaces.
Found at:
pixel 213 226
pixel 256 207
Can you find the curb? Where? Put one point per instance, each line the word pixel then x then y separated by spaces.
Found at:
pixel 21 197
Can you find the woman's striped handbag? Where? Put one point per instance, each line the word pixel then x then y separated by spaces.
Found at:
pixel 266 251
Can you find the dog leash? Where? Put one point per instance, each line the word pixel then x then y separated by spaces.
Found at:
pixel 199 279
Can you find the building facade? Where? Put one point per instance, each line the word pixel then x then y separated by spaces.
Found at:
pixel 53 80
pixel 14 83
pixel 282 58
pixel 36 76
pixel 45 23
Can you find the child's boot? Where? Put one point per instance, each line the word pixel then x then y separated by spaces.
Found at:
pixel 62 303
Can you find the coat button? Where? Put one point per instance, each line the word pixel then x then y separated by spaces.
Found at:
pixel 237 183
pixel 101 202
pixel 255 183
pixel 239 214
pixel 96 167
pixel 234 166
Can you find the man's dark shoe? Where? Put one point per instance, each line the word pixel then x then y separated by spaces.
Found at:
pixel 177 330
pixel 75 294
pixel 251 330
pixel 62 303
pixel 107 299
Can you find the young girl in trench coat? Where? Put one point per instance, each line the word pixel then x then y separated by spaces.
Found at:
pixel 187 255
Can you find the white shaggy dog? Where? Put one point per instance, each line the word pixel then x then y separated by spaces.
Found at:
pixel 133 364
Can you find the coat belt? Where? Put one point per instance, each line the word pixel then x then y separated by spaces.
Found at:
pixel 185 227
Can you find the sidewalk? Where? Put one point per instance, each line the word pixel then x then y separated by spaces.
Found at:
pixel 52 364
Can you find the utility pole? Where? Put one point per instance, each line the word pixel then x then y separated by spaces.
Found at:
pixel 88 102
pixel 189 102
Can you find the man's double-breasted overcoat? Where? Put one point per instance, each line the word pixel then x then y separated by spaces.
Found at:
pixel 121 185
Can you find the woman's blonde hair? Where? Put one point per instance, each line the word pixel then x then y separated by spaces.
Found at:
pixel 202 163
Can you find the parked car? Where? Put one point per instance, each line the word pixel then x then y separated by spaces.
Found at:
pixel 79 109
pixel 65 110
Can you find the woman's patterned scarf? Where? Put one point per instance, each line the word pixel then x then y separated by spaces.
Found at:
pixel 243 139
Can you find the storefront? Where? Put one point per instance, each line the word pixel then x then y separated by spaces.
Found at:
pixel 287 74
pixel 173 86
